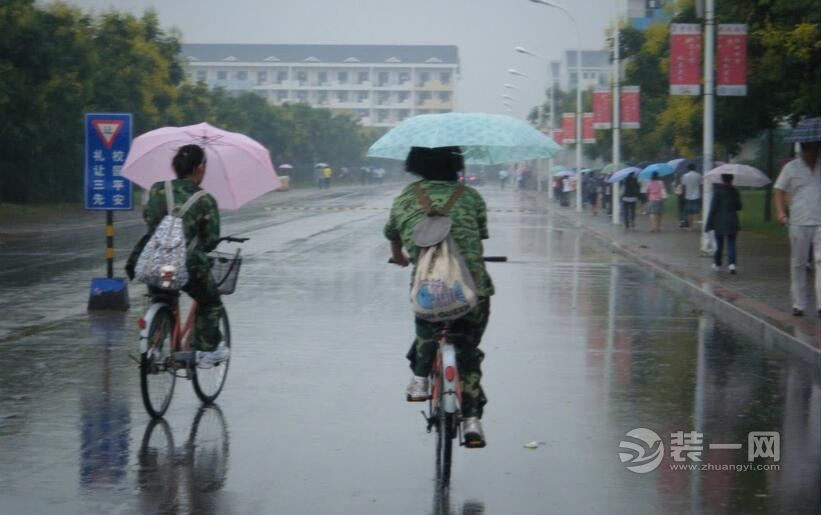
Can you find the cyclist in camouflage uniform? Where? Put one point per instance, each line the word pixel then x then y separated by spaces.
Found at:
pixel 201 221
pixel 439 168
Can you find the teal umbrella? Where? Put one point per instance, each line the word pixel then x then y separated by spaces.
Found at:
pixel 484 138
pixel 662 169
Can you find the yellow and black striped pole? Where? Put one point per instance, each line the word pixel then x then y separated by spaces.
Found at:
pixel 110 244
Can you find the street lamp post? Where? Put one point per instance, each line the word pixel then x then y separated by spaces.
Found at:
pixel 579 98
pixel 540 115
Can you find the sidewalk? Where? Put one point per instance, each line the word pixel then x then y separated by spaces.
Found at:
pixel 758 296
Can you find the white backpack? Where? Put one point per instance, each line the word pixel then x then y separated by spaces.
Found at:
pixel 162 263
pixel 443 288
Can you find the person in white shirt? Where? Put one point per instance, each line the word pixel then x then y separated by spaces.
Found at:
pixel 692 181
pixel 798 189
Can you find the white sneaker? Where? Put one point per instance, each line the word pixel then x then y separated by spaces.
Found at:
pixel 732 269
pixel 206 358
pixel 714 267
pixel 417 390
pixel 472 432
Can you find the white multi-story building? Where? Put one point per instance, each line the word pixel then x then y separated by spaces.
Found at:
pixel 595 69
pixel 382 84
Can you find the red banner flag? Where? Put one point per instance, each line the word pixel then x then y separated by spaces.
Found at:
pixel 629 115
pixel 602 108
pixel 588 135
pixel 557 135
pixel 732 60
pixel 686 50
pixel 569 129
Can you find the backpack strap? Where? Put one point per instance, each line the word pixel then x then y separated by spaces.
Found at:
pixel 169 198
pixel 190 202
pixel 425 202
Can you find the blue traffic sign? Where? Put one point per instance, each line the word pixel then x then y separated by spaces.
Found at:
pixel 108 140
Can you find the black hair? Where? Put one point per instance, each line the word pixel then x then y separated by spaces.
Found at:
pixel 727 178
pixel 691 167
pixel 187 159
pixel 435 164
pixel 655 176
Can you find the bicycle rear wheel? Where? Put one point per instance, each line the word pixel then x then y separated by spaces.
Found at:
pixel 209 381
pixel 157 373
pixel 446 431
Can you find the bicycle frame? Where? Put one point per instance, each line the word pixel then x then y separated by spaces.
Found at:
pixel 180 335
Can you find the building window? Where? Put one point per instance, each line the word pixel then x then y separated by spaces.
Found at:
pixel 302 78
pixel 402 96
pixel 402 114
pixel 382 97
pixel 302 96
pixel 404 77
pixel 322 97
pixel 382 115
pixel 342 77
pixel 202 75
pixel 363 113
pixel 222 75
pixel 362 96
pixel 382 78
pixel 262 77
pixel 342 96
pixel 282 76
pixel 445 77
pixel 322 78
pixel 282 95
pixel 423 78
pixel 242 75
pixel 445 96
pixel 362 77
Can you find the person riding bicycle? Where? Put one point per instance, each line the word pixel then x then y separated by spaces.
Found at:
pixel 201 221
pixel 439 168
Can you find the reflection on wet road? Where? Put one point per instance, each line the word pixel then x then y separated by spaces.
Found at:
pixel 582 348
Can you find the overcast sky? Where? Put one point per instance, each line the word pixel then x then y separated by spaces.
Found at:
pixel 485 31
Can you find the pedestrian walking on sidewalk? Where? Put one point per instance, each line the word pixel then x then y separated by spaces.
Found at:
pixel 797 189
pixel 724 221
pixel 630 197
pixel 692 183
pixel 656 196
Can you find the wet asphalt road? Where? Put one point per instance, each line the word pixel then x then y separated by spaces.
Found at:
pixel 582 347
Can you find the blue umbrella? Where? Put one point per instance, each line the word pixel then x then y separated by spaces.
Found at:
pixel 484 138
pixel 623 174
pixel 560 168
pixel 662 169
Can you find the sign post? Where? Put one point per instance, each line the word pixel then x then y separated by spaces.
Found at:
pixel 108 140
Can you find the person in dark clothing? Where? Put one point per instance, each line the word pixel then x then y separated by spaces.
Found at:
pixel 630 196
pixel 724 221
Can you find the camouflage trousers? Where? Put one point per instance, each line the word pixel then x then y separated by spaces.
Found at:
pixel 467 334
pixel 203 290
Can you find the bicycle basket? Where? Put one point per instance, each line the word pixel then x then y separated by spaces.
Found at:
pixel 225 269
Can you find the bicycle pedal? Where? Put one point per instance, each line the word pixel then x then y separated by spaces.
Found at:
pixel 474 444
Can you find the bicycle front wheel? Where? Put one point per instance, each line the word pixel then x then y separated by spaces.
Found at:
pixel 157 372
pixel 210 379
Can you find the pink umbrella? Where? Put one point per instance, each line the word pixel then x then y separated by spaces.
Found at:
pixel 744 175
pixel 239 169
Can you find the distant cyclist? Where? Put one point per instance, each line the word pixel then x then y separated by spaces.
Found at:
pixel 439 168
pixel 201 221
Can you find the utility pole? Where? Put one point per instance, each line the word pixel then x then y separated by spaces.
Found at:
pixel 708 117
pixel 616 205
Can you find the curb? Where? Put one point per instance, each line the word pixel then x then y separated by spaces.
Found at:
pixel 756 319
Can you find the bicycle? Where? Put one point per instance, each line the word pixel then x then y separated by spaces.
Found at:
pixel 165 345
pixel 445 398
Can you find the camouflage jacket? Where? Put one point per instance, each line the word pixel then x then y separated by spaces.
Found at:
pixel 470 225
pixel 202 220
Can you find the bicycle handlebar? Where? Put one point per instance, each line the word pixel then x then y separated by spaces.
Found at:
pixel 232 239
